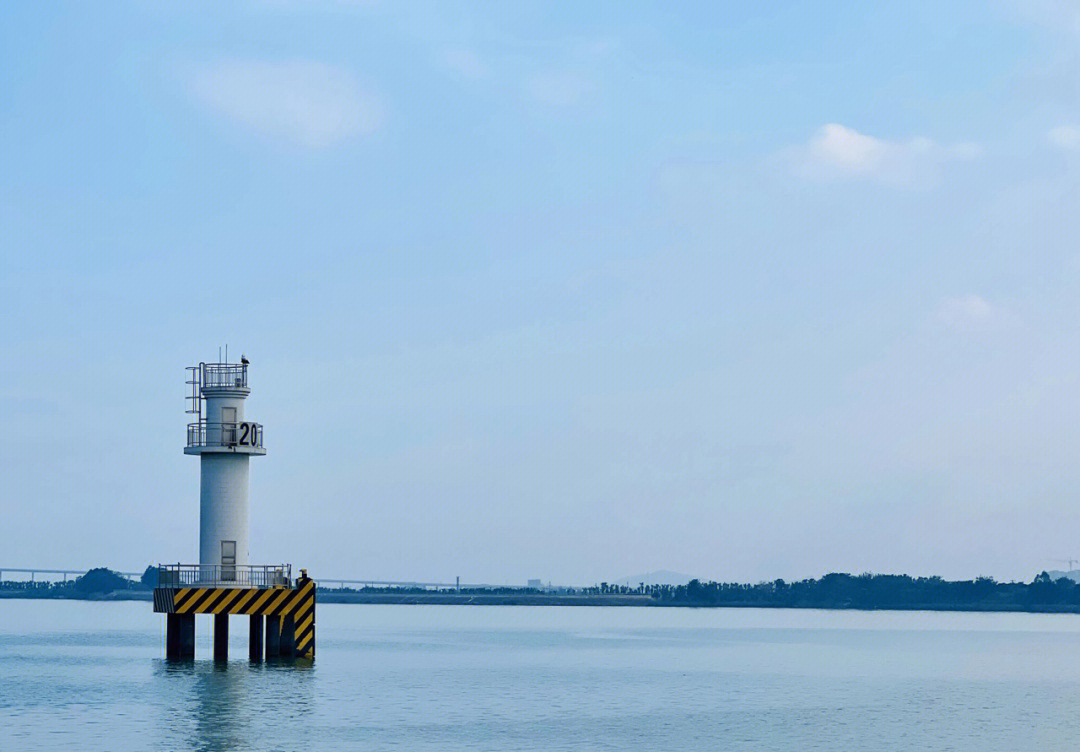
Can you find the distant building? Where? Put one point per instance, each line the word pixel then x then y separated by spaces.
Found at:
pixel 536 584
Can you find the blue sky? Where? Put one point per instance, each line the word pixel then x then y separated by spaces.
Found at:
pixel 542 290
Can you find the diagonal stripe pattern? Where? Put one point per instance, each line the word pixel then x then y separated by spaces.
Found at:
pixel 298 601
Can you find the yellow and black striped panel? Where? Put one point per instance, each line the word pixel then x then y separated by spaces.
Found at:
pixel 163 600
pixel 226 600
pixel 304 621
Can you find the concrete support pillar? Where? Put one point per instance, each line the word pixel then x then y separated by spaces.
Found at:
pixel 273 636
pixel 172 637
pixel 255 639
pixel 288 637
pixel 180 637
pixel 221 637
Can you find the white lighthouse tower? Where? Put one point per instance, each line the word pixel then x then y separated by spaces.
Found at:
pixel 225 442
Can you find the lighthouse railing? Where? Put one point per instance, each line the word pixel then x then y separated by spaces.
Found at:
pixel 224 376
pixel 218 575
pixel 204 434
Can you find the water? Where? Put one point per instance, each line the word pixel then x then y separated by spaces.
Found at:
pixel 90 676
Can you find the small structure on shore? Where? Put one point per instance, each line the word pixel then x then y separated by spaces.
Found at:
pixel 280 608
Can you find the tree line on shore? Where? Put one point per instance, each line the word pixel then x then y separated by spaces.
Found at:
pixel 97 581
pixel 836 590
pixel 881 591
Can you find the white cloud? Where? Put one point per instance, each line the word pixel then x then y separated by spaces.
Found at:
pixel 306 102
pixel 839 153
pixel 966 313
pixel 1065 137
pixel 466 62
pixel 1061 16
pixel 561 89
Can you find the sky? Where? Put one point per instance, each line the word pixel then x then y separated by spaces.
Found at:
pixel 568 291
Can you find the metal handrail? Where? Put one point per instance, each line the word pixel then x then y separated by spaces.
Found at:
pixel 224 376
pixel 220 575
pixel 205 434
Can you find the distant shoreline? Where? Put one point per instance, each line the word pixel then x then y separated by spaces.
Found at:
pixel 495 599
pixel 45 595
pixel 645 601
pixel 533 599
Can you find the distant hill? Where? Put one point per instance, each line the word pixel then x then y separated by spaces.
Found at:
pixel 659 577
pixel 1056 575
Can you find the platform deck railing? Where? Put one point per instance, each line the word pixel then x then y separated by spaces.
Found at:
pixel 216 575
pixel 204 434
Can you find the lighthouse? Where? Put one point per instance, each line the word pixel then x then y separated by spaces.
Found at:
pixel 225 441
pixel 281 610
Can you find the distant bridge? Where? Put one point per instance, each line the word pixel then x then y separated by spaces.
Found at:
pixel 326 582
pixel 64 572
pixel 329 582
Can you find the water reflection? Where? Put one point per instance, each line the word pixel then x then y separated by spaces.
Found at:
pixel 215 707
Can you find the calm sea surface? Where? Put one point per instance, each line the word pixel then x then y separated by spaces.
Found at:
pixel 90 676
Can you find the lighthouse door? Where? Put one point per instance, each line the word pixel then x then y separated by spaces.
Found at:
pixel 228 561
pixel 228 426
